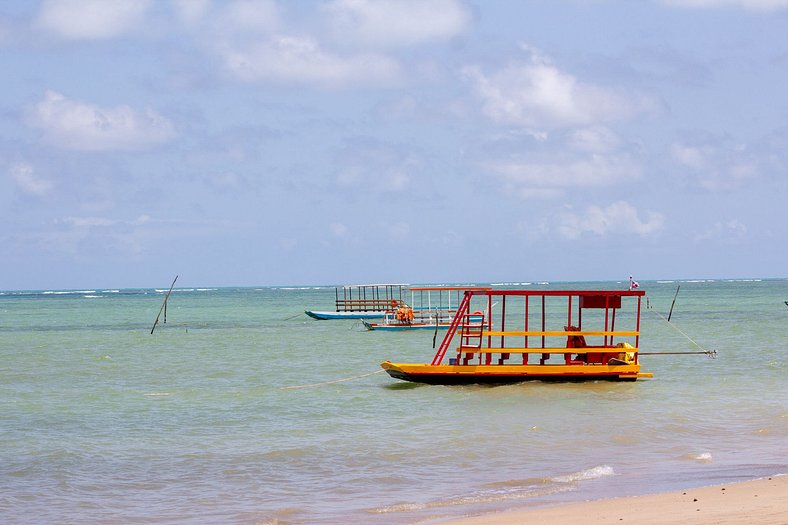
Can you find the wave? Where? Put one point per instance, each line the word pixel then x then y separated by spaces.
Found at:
pixel 584 475
pixel 67 292
pixel 704 457
pixel 506 491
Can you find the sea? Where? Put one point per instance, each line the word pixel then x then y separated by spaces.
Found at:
pixel 240 409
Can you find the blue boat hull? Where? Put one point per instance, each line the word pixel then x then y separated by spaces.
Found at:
pixel 343 315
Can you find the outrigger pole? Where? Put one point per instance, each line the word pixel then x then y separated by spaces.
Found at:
pixel 164 306
pixel 710 353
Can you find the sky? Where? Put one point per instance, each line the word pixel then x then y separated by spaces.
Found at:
pixel 267 143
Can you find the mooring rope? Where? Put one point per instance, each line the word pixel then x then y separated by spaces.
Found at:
pixel 710 353
pixel 331 382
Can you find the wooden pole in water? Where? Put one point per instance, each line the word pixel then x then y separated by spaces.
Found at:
pixel 435 333
pixel 164 306
pixel 674 302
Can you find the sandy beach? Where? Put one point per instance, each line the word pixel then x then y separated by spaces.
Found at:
pixel 762 501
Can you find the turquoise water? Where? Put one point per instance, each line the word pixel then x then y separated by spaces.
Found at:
pixel 102 422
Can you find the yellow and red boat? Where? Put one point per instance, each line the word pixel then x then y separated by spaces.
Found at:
pixel 506 336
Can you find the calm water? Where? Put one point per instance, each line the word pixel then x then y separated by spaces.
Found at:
pixel 102 422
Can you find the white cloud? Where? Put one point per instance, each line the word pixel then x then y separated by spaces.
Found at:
pixel 190 12
pixel 718 164
pixel 595 139
pixel 27 180
pixel 289 244
pixel 250 15
pixel 618 218
pixel 91 19
pixel 86 222
pixel 297 60
pixel 76 125
pixel 750 5
pixel 381 178
pixel 368 165
pixel 536 93
pixel 397 22
pixel 338 230
pixel 548 180
pixel 728 230
pixel 691 157
pixel 395 180
pixel 399 230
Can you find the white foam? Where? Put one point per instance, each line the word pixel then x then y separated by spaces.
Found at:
pixel 67 292
pixel 703 458
pixel 592 473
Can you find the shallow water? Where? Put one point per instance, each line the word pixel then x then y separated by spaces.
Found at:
pixel 103 422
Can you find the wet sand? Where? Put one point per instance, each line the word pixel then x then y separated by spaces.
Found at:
pixel 758 502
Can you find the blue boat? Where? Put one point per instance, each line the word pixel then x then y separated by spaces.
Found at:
pixel 362 301
pixel 430 308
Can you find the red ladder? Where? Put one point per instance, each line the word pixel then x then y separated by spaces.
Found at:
pixel 455 323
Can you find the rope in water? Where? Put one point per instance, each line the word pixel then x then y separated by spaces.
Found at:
pixel 710 353
pixel 331 382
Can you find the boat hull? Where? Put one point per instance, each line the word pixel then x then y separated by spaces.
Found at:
pixel 500 374
pixel 400 327
pixel 324 315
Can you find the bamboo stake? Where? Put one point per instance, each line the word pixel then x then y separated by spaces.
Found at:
pixel 674 302
pixel 164 306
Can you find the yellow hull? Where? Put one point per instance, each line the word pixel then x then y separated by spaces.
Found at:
pixel 466 374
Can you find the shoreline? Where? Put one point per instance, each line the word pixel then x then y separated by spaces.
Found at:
pixel 762 501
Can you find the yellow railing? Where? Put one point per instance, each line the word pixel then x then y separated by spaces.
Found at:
pixel 559 333
pixel 535 350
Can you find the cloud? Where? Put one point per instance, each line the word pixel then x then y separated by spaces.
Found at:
pixel 392 23
pixel 86 222
pixel 79 126
pixel 688 156
pixel 91 19
pixel 377 166
pixel 618 218
pixel 190 12
pixel 750 5
pixel 725 231
pixel 338 230
pixel 595 139
pixel 718 164
pixel 28 182
pixel 254 16
pixel 535 93
pixel 399 230
pixel 552 179
pixel 301 60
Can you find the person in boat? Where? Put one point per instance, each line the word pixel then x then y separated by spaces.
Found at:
pixel 404 314
pixel 575 341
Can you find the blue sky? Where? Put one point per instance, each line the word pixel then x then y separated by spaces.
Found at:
pixel 257 142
